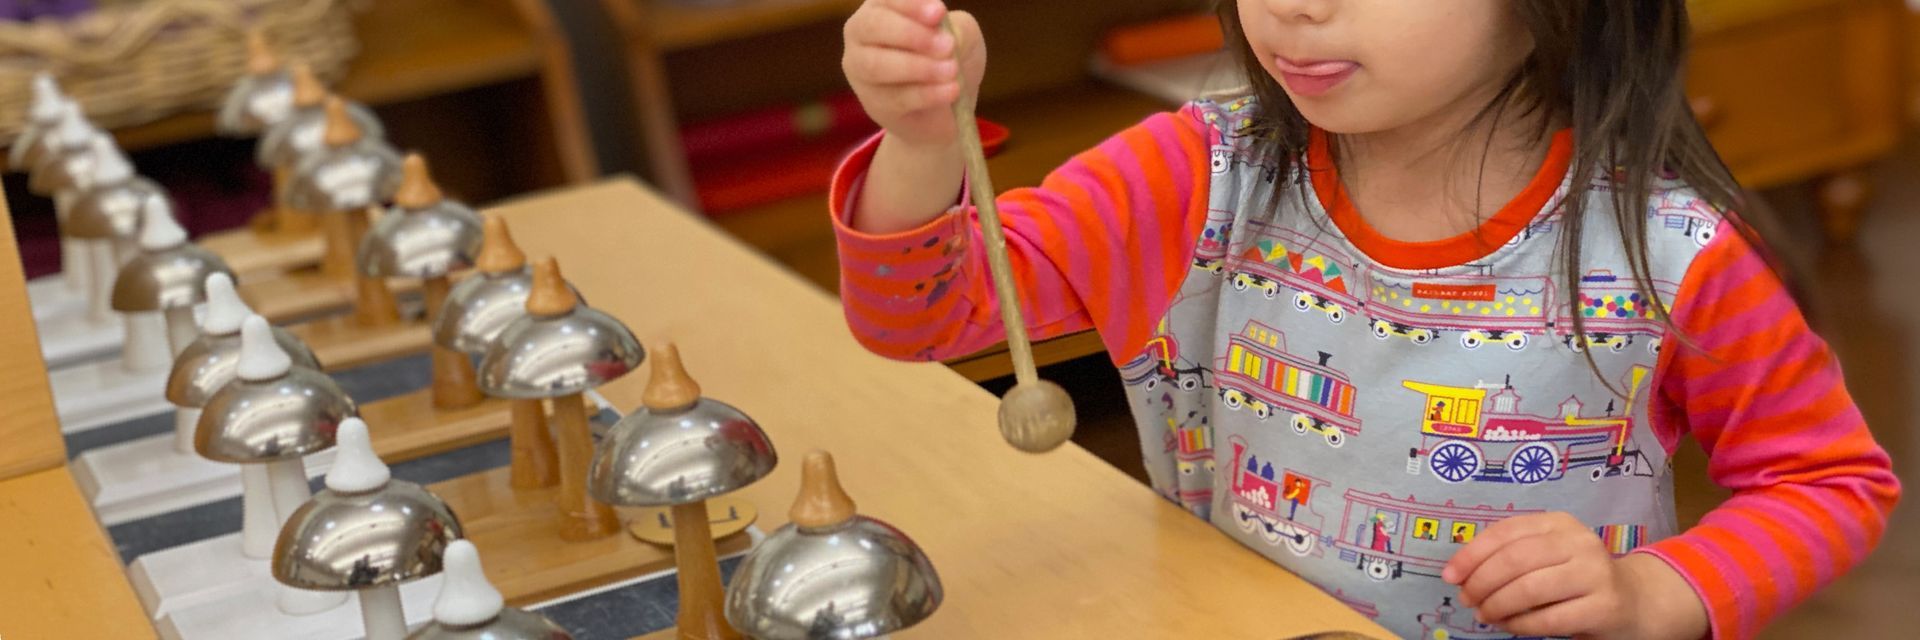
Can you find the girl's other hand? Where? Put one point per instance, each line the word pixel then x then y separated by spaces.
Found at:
pixel 1550 575
pixel 908 70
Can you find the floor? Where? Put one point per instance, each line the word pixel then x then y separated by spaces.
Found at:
pixel 1864 306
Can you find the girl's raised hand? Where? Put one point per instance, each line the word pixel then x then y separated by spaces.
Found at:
pixel 908 70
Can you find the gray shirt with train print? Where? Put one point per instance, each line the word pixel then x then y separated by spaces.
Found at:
pixel 1358 424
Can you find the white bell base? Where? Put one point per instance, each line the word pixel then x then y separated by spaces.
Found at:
pixel 251 612
pixel 71 337
pixel 104 392
pixel 148 477
pixel 51 297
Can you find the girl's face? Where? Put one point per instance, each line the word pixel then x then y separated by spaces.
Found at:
pixel 1366 66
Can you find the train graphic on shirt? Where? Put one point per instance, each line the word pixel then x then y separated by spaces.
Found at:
pixel 1479 433
pixel 1216 235
pixel 1685 214
pixel 1276 505
pixel 1447 622
pixel 1388 538
pixel 1161 363
pixel 1258 374
pixel 1474 310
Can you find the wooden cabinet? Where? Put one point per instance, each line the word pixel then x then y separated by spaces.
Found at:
pixel 1797 90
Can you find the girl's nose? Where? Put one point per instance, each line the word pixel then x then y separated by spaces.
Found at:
pixel 1303 11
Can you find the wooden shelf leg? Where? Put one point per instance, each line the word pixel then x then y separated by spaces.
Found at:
pixel 1843 198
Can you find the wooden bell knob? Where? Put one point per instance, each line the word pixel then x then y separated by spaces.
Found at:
pixel 822 502
pixel 341 129
pixel 417 190
pixel 550 295
pixel 260 58
pixel 308 91
pixel 498 253
pixel 669 388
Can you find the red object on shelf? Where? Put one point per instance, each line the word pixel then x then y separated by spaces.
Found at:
pixel 775 173
pixel 1163 39
pixel 833 117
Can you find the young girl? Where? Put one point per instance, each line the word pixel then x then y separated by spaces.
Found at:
pixel 1420 316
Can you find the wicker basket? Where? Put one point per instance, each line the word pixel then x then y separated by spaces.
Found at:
pixel 135 63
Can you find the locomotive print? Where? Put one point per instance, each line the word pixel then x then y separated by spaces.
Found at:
pixel 1467 434
pixel 1161 363
pixel 1480 310
pixel 1388 538
pixel 1613 311
pixel 1282 260
pixel 1275 506
pixel 1689 216
pixel 1258 374
pixel 1191 442
pixel 1216 235
pixel 1473 310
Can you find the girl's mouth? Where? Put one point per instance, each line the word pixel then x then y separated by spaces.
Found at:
pixel 1311 78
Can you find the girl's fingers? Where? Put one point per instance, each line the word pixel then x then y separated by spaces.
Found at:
pixel 926 12
pixel 1535 590
pixel 1467 561
pixel 894 30
pixel 903 101
pixel 883 66
pixel 1515 559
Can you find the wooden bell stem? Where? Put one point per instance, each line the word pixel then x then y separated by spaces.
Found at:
pixel 535 463
pixel 586 518
pixel 455 384
pixel 337 229
pixel 374 305
pixel 701 615
pixel 286 219
pixel 1003 285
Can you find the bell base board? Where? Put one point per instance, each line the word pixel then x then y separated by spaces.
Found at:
pixel 95 394
pixel 305 294
pixel 196 574
pixel 148 477
pixel 254 254
pixel 251 614
pixel 518 533
pixel 74 338
pixel 50 297
pixel 341 343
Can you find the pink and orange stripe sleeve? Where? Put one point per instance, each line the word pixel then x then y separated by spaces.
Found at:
pixel 1764 397
pixel 1102 243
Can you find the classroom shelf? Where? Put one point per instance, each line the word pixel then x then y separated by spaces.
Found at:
pixel 685 24
pixel 409 49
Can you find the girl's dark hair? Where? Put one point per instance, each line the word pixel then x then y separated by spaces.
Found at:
pixel 1611 70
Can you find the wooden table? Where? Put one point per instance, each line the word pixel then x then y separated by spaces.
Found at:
pixel 61 577
pixel 1053 546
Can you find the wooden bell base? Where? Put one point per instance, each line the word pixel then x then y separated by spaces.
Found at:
pixel 727 515
pixel 147 477
pixel 518 532
pixel 341 343
pixel 257 255
pixel 304 294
